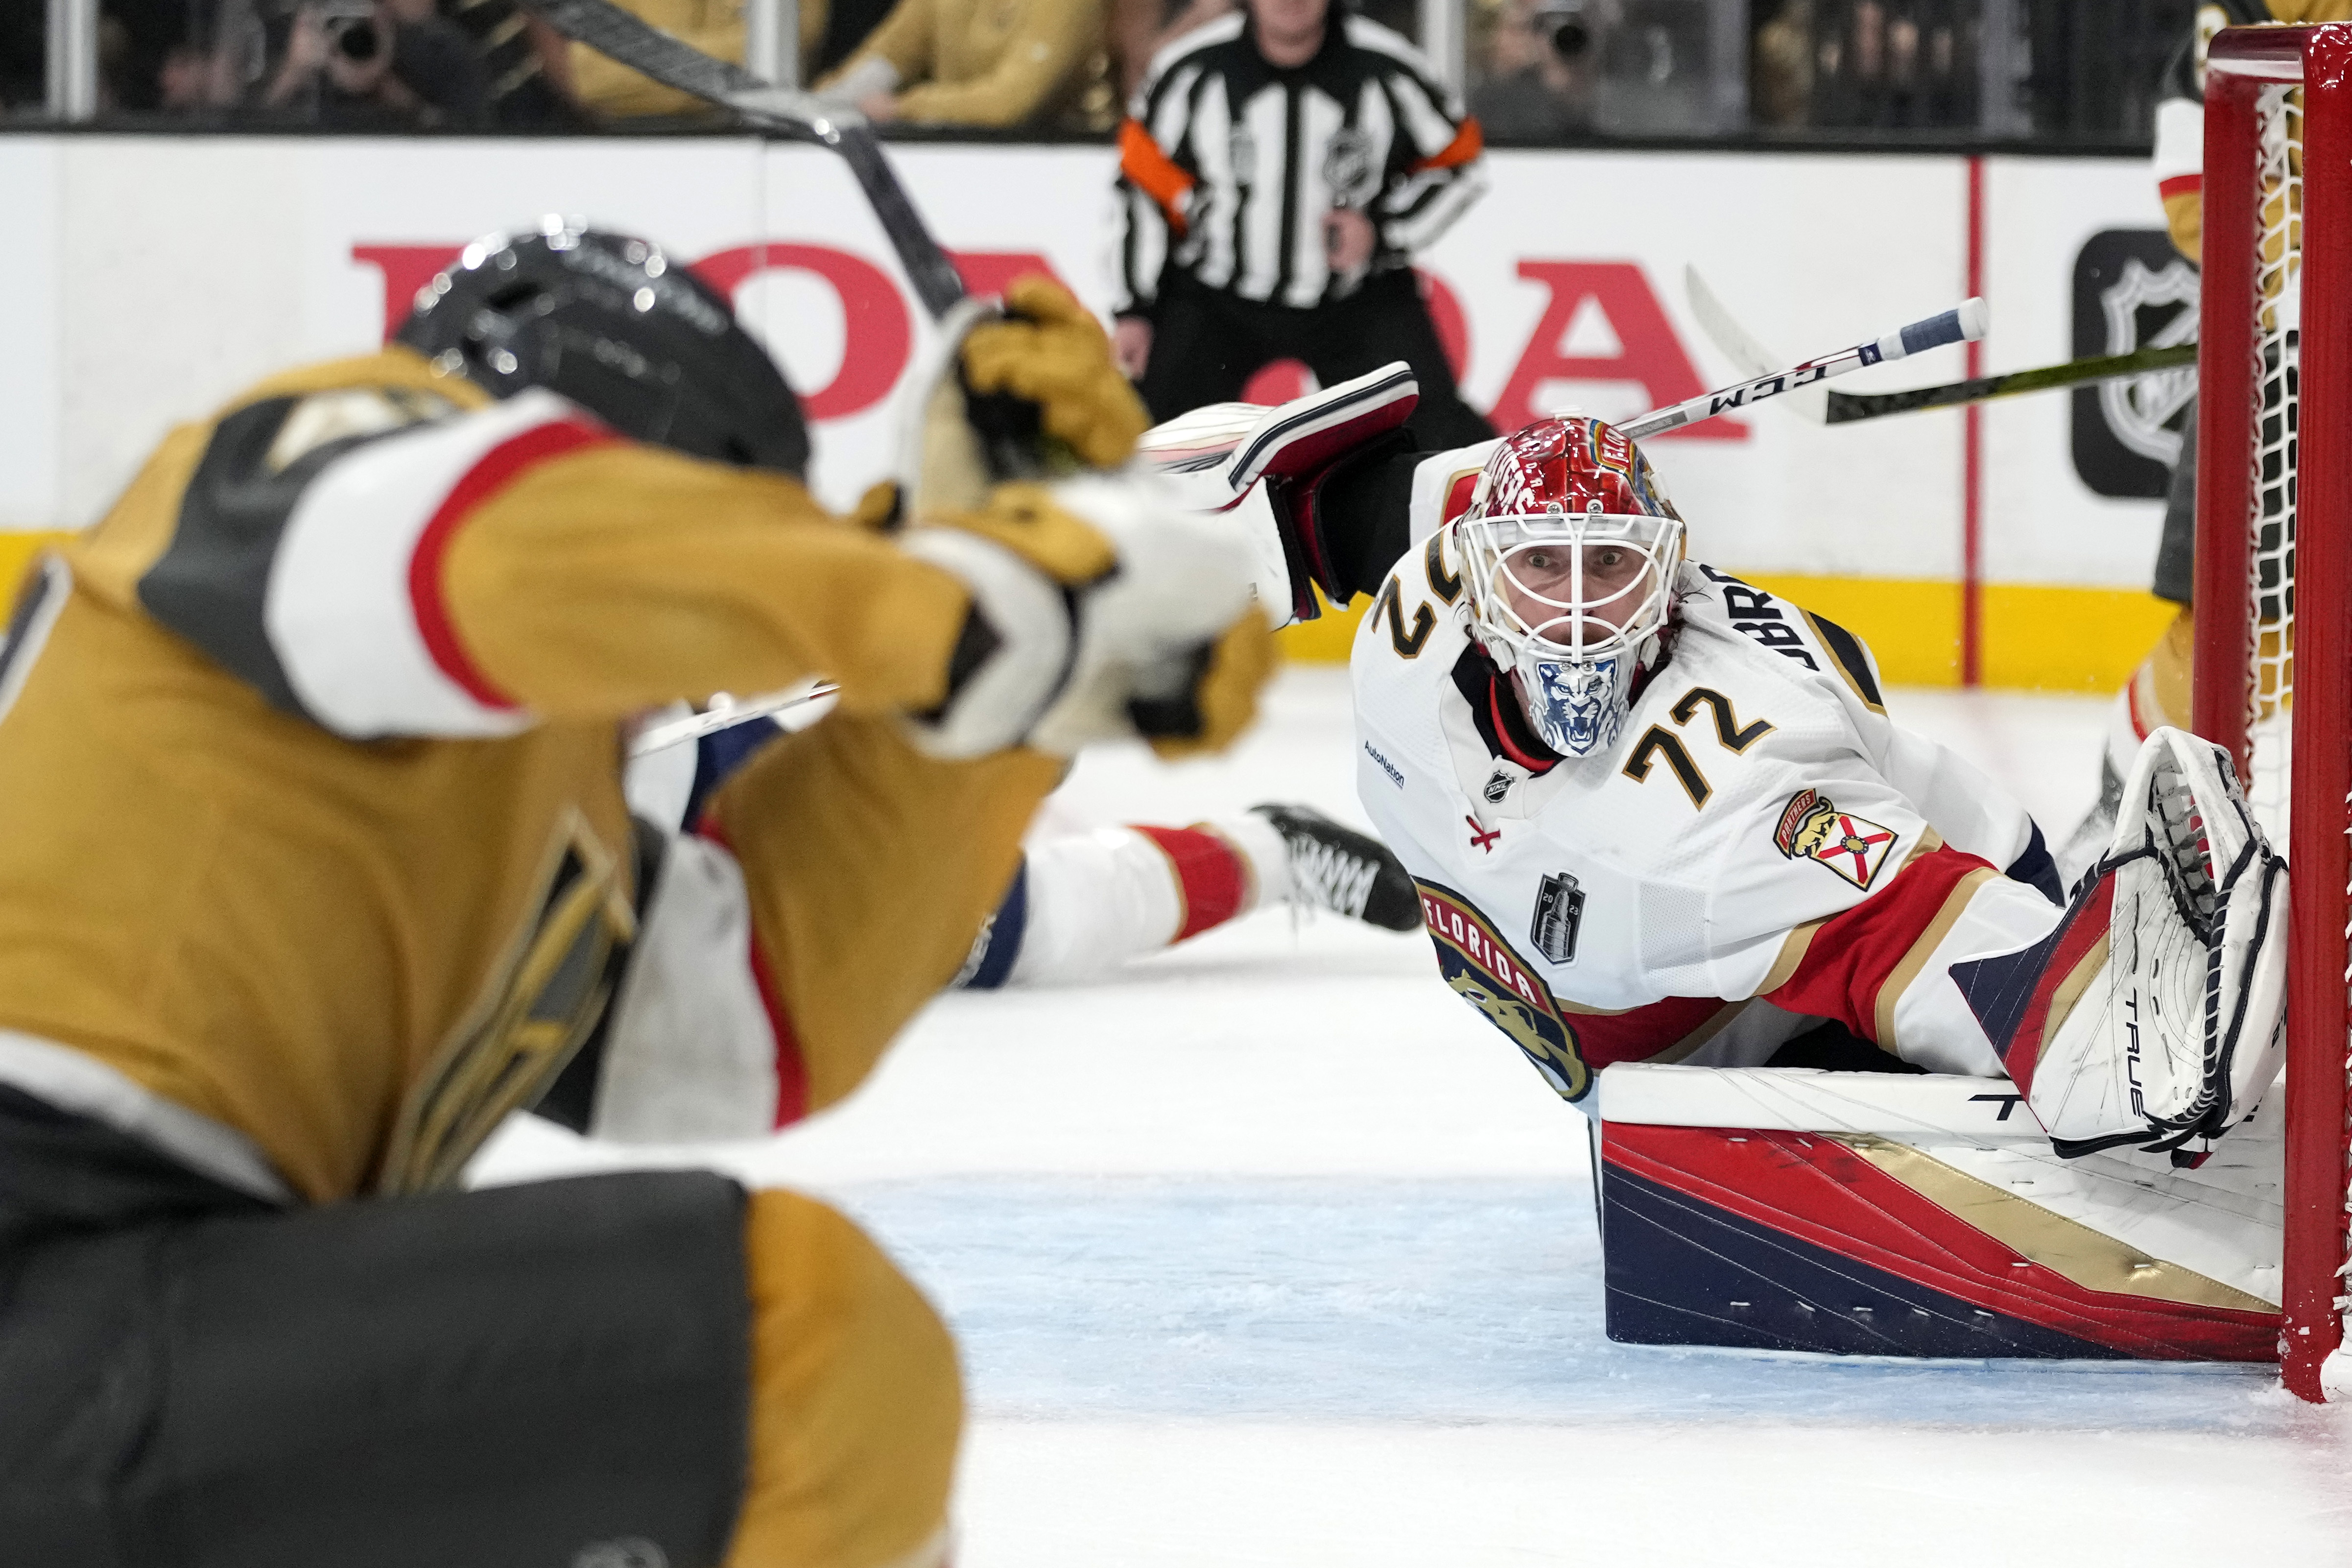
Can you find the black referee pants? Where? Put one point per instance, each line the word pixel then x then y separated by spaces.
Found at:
pixel 1205 345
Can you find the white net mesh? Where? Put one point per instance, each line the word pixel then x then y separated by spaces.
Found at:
pixel 2277 395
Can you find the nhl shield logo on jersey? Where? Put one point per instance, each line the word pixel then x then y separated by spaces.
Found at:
pixel 1812 828
pixel 1484 970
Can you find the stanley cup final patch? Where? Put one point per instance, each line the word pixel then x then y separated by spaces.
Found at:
pixel 1560 915
pixel 1812 828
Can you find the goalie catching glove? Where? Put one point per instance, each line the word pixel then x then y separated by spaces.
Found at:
pixel 1098 613
pixel 2153 1014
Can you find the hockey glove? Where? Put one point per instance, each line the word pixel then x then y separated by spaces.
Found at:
pixel 2164 989
pixel 1022 392
pixel 1274 468
pixel 1098 613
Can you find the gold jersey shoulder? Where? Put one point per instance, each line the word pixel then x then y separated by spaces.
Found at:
pixel 359 953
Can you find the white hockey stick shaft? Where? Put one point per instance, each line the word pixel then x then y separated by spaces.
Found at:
pixel 1747 352
pixel 1964 323
pixel 694 726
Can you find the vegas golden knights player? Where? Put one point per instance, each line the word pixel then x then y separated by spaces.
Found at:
pixel 314 863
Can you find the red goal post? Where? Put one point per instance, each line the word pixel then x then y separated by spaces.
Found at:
pixel 2274 587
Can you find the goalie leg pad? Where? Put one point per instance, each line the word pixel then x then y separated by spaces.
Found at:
pixel 2153 1015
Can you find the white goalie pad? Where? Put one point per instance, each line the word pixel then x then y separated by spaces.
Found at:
pixel 1227 456
pixel 2174 1038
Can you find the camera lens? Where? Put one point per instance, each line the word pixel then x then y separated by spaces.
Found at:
pixel 1569 40
pixel 359 41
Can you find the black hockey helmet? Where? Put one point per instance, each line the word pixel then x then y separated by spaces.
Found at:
pixel 607 321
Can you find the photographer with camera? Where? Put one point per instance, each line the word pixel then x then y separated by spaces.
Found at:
pixel 379 64
pixel 1539 81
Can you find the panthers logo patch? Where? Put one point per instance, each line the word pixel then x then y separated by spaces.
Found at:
pixel 1489 976
pixel 1812 828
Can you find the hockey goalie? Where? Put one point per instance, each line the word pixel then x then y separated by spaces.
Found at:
pixel 1660 820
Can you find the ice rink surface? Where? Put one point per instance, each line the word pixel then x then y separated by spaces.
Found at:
pixel 1271 1251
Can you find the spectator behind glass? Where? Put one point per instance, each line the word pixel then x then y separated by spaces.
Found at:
pixel 526 65
pixel 1140 29
pixel 975 62
pixel 394 66
pixel 23 82
pixel 605 87
pixel 1537 86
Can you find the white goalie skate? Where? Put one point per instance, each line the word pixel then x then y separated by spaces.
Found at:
pixel 2175 1026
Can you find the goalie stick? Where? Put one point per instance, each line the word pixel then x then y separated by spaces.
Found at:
pixel 647 50
pixel 1965 322
pixel 1844 407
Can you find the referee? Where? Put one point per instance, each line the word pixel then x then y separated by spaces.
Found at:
pixel 1279 170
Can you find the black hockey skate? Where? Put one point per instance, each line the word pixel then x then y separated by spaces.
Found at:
pixel 1339 869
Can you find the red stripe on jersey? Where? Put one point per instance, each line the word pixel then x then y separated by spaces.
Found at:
pixel 2086 927
pixel 792 1066
pixel 2180 186
pixel 1511 748
pixel 1210 876
pixel 1604 1040
pixel 1854 955
pixel 498 467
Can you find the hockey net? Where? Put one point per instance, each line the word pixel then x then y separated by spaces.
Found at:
pixel 2274 587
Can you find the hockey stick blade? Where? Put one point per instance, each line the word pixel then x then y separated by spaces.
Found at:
pixel 1964 323
pixel 1845 408
pixel 647 50
pixel 1748 356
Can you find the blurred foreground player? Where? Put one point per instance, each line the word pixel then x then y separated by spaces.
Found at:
pixel 1659 815
pixel 317 867
pixel 1085 900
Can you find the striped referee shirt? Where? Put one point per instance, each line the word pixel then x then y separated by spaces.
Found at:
pixel 1228 165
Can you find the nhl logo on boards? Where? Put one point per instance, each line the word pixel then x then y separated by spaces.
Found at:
pixel 1812 828
pixel 1560 916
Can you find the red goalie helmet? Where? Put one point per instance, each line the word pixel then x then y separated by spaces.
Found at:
pixel 1571 550
pixel 1567 464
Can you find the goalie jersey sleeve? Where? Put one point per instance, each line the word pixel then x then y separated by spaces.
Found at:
pixel 1758 848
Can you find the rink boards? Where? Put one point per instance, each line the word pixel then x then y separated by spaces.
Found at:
pixel 150 278
pixel 1877 1213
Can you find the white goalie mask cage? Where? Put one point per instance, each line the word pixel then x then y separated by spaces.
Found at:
pixel 1575 604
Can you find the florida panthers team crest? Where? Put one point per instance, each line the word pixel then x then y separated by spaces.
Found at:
pixel 1483 968
pixel 1812 828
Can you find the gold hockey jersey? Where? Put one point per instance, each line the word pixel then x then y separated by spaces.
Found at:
pixel 311 817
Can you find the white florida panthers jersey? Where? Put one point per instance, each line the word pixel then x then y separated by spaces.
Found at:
pixel 1759 849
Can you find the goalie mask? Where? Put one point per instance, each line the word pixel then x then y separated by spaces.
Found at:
pixel 1571 550
pixel 607 322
